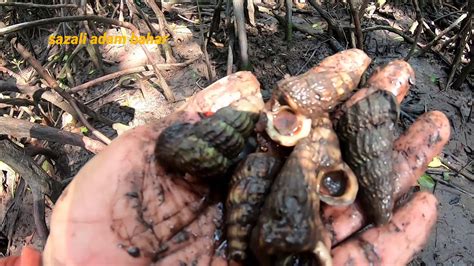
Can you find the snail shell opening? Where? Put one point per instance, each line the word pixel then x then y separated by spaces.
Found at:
pixel 337 186
pixel 287 127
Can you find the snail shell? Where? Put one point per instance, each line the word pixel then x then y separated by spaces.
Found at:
pixel 367 135
pixel 314 93
pixel 290 216
pixel 207 148
pixel 328 165
pixel 250 185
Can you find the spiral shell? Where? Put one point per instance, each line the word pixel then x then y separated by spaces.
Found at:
pixel 290 216
pixel 207 148
pixel 250 185
pixel 367 135
pixel 314 93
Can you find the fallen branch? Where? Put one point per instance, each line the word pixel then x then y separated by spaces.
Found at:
pixel 36 178
pixel 23 129
pixel 25 166
pixel 53 84
pixel 127 72
pixel 441 34
pixel 33 5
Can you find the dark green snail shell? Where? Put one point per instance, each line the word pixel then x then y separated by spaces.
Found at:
pixel 250 185
pixel 367 135
pixel 207 148
pixel 287 222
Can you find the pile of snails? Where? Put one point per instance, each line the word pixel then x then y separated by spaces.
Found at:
pixel 332 152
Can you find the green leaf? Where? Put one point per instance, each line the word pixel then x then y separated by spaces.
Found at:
pixel 84 130
pixel 434 79
pixel 425 181
pixel 446 176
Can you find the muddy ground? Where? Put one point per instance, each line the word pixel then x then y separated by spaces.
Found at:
pixel 451 241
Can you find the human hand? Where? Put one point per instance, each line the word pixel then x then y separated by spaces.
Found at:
pixel 123 209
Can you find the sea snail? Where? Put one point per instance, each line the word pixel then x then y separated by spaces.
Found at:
pixel 207 148
pixel 250 185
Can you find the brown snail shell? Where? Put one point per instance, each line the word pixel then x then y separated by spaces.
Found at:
pixel 367 135
pixel 315 92
pixel 250 185
pixel 327 163
pixel 207 148
pixel 289 220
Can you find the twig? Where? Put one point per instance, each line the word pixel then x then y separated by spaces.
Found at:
pixel 230 28
pixel 24 165
pixel 441 34
pixel 241 33
pixel 331 23
pixel 33 91
pixel 461 43
pixel 216 18
pixel 437 179
pixel 33 5
pixel 24 129
pixel 464 73
pixel 289 21
pixel 203 42
pixel 358 30
pixel 362 9
pixel 12 212
pixel 457 170
pixel 335 45
pixel 418 31
pixel 39 215
pixel 20 26
pixel 16 101
pixel 161 28
pixel 55 86
pixel 126 72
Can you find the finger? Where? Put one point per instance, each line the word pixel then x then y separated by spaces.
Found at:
pixel 412 153
pixel 241 90
pixel 394 77
pixel 193 245
pixel 394 243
